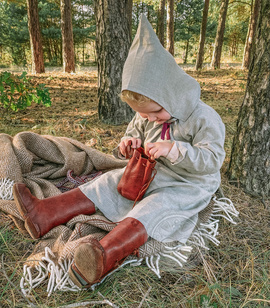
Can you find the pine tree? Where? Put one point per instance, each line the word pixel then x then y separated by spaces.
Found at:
pixel 112 43
pixel 250 158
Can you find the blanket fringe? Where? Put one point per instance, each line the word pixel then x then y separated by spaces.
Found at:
pixel 57 274
pixel 224 208
pixel 6 186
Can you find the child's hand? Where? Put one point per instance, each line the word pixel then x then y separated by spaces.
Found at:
pixel 128 145
pixel 157 149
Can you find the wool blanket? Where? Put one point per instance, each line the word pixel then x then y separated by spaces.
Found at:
pixel 43 163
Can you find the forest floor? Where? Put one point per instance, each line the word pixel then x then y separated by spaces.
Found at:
pixel 238 269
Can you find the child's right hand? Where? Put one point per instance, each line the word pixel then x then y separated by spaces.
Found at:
pixel 128 145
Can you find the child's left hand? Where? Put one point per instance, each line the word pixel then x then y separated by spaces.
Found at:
pixel 157 149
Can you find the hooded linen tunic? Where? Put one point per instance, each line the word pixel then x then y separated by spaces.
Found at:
pixel 184 185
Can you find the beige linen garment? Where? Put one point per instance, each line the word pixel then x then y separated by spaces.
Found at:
pixel 184 187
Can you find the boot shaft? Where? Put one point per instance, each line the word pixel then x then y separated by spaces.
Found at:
pixel 43 215
pixel 123 241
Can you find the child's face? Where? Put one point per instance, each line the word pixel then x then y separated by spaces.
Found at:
pixel 151 111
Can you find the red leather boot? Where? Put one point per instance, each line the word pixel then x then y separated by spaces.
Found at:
pixel 42 215
pixel 94 259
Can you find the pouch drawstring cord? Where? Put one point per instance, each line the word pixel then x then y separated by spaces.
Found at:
pixel 165 131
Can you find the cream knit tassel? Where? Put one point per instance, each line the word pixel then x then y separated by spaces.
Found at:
pixel 6 186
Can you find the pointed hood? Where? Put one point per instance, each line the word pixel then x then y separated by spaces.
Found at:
pixel 152 71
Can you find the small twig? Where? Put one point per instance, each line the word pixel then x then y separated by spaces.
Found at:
pixel 12 284
pixel 107 302
pixel 82 304
pixel 144 297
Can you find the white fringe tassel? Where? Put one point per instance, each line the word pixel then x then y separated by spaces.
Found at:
pixel 57 274
pixel 6 186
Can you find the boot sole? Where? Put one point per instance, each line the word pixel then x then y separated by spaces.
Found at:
pixel 31 228
pixel 88 266
pixel 76 277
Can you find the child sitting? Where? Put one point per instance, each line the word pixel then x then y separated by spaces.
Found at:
pixel 176 128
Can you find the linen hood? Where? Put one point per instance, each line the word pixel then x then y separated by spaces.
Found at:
pixel 151 70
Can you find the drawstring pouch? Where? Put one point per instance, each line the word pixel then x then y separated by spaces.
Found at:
pixel 139 173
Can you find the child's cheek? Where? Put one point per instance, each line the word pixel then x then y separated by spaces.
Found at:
pixel 143 115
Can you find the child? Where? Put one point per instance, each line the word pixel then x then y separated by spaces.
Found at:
pixel 176 128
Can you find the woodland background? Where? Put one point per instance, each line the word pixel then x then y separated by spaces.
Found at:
pixel 15 41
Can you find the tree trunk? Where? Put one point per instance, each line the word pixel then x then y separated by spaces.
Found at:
pixel 170 27
pixel 148 13
pixel 251 32
pixel 250 157
pixel 67 37
pixel 220 34
pixel 186 52
pixel 129 15
pixel 199 60
pixel 112 44
pixel 160 21
pixel 137 14
pixel 49 48
pixel 35 37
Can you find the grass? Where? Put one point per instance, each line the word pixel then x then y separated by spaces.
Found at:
pixel 238 269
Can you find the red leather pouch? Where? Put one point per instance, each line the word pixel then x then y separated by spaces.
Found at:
pixel 137 176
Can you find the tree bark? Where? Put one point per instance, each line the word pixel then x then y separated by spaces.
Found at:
pixel 220 34
pixel 186 51
pixel 112 44
pixel 251 32
pixel 170 27
pixel 250 157
pixel 67 37
pixel 199 60
pixel 129 15
pixel 160 21
pixel 35 37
